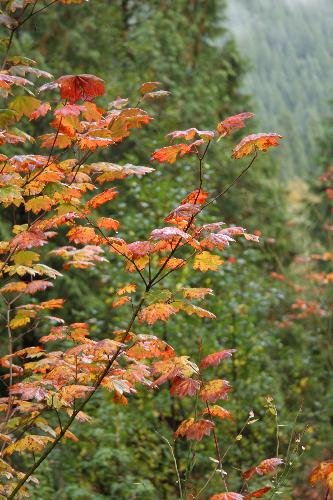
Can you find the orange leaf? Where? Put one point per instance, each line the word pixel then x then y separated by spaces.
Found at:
pixel 108 223
pixel 197 197
pixel 214 390
pixel 157 311
pixel 227 496
pixel 206 261
pixel 194 430
pixel 232 122
pixel 40 111
pixel 217 411
pixel 215 358
pixel 102 198
pixel 252 142
pixel 184 387
pixel 267 466
pixel 78 87
pixel 258 493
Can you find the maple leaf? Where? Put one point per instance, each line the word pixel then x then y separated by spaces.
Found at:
pixel 69 393
pixel 190 133
pixel 130 288
pixel 172 263
pixel 197 196
pixel 82 234
pixel 108 223
pixel 6 80
pixel 85 87
pixel 174 367
pixel 69 110
pixel 102 198
pixel 147 347
pixel 121 301
pixel 31 443
pixel 206 261
pixel 148 87
pixel 28 239
pixel 37 286
pixel 24 106
pixel 194 429
pixel 258 493
pixel 227 496
pixel 217 411
pixel 214 390
pixel 184 387
pixel 29 390
pixel 60 141
pixel 323 472
pixel 267 466
pixel 168 234
pixel 215 358
pixel 157 311
pixel 140 248
pixel 253 142
pixel 183 427
pixel 182 212
pixel 39 203
pixel 42 110
pixel 232 122
pixel 196 293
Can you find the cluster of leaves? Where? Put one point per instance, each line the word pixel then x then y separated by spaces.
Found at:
pixel 53 196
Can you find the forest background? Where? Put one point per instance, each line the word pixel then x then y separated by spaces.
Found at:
pixel 216 59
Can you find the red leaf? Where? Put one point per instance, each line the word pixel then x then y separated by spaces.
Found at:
pixel 102 198
pixel 267 466
pixel 258 493
pixel 215 358
pixel 251 143
pixel 232 122
pixel 214 390
pixel 184 387
pixel 76 87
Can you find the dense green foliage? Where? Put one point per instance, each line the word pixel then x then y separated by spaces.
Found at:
pixel 290 47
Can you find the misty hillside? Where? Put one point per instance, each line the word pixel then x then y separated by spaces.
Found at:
pixel 290 46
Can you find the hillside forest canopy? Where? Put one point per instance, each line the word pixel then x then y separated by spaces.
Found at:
pixel 166 249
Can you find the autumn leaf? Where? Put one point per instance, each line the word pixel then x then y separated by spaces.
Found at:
pixel 258 493
pixel 265 467
pixel 42 110
pixel 214 390
pixel 217 411
pixel 38 204
pixel 28 443
pixel 184 387
pixel 198 196
pixel 24 106
pixel 323 472
pixel 227 496
pixel 254 142
pixel 82 234
pixel 232 122
pixel 157 311
pixel 148 87
pixel 168 234
pixel 85 87
pixel 215 358
pixel 147 347
pixel 196 293
pixel 130 288
pixel 169 154
pixel 108 223
pixel 102 198
pixel 194 429
pixel 205 261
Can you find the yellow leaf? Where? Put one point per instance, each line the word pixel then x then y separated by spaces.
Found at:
pixel 206 261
